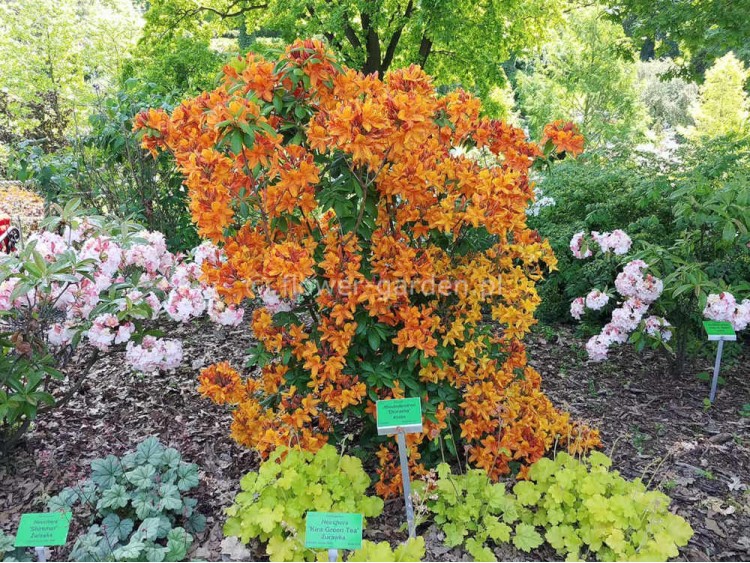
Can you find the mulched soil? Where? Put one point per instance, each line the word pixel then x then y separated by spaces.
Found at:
pixel 653 424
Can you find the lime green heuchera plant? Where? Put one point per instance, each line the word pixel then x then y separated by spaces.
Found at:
pixel 579 507
pixel 274 500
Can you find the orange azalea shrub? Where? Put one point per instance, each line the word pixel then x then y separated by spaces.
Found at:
pixel 380 251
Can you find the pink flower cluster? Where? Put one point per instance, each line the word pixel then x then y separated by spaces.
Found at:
pixel 107 330
pixel 595 301
pixel 640 290
pixel 724 307
pixel 113 282
pixel 154 354
pixel 579 246
pixel 273 302
pixel 617 242
pixel 632 283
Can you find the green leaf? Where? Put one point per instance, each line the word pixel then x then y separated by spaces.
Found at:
pixel 169 498
pixel 105 472
pixel 115 497
pixel 142 476
pixel 116 529
pixel 178 544
pixel 156 553
pixel 373 339
pixel 149 529
pixel 130 552
pixel 187 476
pixel 150 451
pixel 479 551
pixel 527 538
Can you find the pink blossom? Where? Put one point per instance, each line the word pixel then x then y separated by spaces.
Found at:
pixel 185 274
pixel 576 308
pixel 209 253
pixel 741 319
pixel 273 302
pixel 658 327
pixel 724 307
pixel 185 302
pixel 60 334
pixel 617 241
pixel 720 306
pixel 6 289
pixel 579 247
pixel 649 288
pixel 101 334
pixel 223 314
pixel 612 334
pixel 597 348
pixel 105 252
pixel 48 244
pixel 154 354
pixel 124 332
pixel 596 299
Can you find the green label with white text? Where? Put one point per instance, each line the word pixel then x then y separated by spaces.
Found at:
pixel 719 330
pixel 43 529
pixel 399 414
pixel 333 530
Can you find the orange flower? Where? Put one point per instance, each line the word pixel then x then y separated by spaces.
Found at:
pixel 222 384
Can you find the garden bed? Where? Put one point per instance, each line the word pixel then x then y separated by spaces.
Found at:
pixel 701 458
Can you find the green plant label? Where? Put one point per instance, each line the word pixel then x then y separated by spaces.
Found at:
pixel 719 330
pixel 42 529
pixel 333 530
pixel 398 415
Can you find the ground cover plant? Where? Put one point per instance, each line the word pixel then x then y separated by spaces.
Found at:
pixel 274 501
pixel 136 505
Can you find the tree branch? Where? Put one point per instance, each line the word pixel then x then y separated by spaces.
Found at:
pixel 396 37
pixel 425 48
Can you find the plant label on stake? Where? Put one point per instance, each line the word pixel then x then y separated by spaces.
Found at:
pixel 333 531
pixel 720 331
pixel 43 529
pixel 399 417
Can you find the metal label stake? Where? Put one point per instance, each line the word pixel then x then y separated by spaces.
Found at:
pixel 399 417
pixel 333 555
pixel 719 331
pixel 404 459
pixel 717 366
pixel 40 554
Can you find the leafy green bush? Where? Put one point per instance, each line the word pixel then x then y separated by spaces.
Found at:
pixel 137 505
pixel 471 510
pixel 580 506
pixel 411 550
pixel 110 173
pixel 24 382
pixel 595 194
pixel 687 217
pixel 275 499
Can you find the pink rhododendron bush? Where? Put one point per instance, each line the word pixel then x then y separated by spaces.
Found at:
pixel 90 285
pixel 643 302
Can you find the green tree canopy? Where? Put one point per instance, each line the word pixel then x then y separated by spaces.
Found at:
pixel 457 42
pixel 723 107
pixel 582 75
pixel 704 30
pixel 55 57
